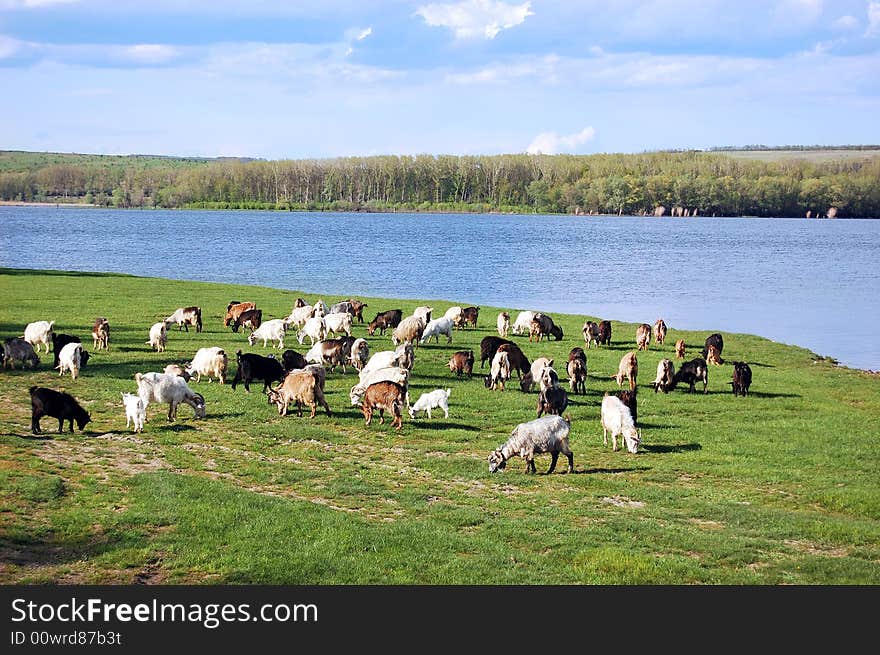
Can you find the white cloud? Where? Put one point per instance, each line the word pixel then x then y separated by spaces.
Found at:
pixel 150 53
pixel 550 143
pixel 845 23
pixel 8 47
pixel 873 19
pixel 363 34
pixel 475 18
pixel 32 4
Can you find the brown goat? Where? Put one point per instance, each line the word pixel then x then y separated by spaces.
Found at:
pixel 234 309
pixel 384 395
pixel 462 362
pixel 660 331
pixel 302 388
pixel 679 349
pixel 629 368
pixel 357 308
pixel 101 334
pixel 713 356
pixel 643 336
pixel 469 316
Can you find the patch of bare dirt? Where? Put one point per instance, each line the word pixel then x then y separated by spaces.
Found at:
pixel 814 549
pixel 622 501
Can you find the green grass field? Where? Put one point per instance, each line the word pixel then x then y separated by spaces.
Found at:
pixel 777 488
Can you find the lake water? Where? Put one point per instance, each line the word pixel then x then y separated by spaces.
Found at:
pixel 807 282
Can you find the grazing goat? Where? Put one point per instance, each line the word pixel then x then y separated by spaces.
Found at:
pixel 534 373
pixel 660 331
pixel 543 326
pixel 256 367
pixel 273 330
pixel 291 359
pixel 212 362
pixel 716 340
pixel 616 418
pixel 577 371
pixel 321 309
pixel 57 404
pixel 337 323
pixel 503 324
pixel 158 337
pixel 70 359
pixel 384 396
pixel 16 349
pixel 330 352
pixel 342 307
pixel 500 371
pixel 523 322
pixel 742 378
pixel 713 356
pixel 357 308
pixel 518 361
pixel 552 400
pixel 489 346
pixel 462 362
pixel 249 318
pixel 409 330
pixel 604 333
pixel 469 316
pixel 439 398
pixel 665 376
pixel 360 354
pixel 384 321
pixel 171 389
pixel 437 327
pixel 302 388
pixel 394 374
pixel 183 317
pixel 300 314
pixel 454 315
pixel 101 334
pixel 591 334
pixel 643 336
pixel 234 309
pixel 39 333
pixel 691 372
pixel 679 349
pixel 406 356
pixel 548 434
pixel 176 369
pixel 314 329
pixel 629 369
pixel 379 360
pixel 59 340
pixel 135 412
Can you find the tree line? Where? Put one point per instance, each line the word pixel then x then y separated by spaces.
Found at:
pixel 701 183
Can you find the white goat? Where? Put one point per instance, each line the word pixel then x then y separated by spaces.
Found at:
pixel 379 360
pixel 431 400
pixel 39 333
pixel 300 315
pixel 321 309
pixel 272 330
pixel 135 412
pixel 360 353
pixel 338 323
pixel 423 312
pixel 69 359
pixel 158 336
pixel 535 373
pixel 314 329
pixel 437 327
pixel 548 434
pixel 503 324
pixel 617 418
pixel 171 389
pixel 454 315
pixel 212 362
pixel 523 322
pixel 500 372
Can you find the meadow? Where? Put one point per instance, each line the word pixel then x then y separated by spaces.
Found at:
pixel 780 487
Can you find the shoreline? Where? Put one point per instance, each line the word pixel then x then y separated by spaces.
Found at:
pixel 816 357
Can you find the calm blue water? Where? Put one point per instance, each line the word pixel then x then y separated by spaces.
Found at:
pixel 811 283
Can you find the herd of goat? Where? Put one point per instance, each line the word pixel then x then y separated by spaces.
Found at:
pixel 383 377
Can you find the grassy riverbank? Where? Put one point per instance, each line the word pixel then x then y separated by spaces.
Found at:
pixel 779 487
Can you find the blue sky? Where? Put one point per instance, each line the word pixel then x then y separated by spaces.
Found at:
pixel 344 77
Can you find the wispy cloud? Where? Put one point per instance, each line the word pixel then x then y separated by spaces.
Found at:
pixel 33 4
pixel 845 23
pixel 873 19
pixel 551 143
pixel 475 18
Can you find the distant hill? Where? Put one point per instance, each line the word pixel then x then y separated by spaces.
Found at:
pixel 21 160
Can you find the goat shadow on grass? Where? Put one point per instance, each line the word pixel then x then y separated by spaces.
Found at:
pixel 175 427
pixel 44 436
pixel 764 394
pixel 442 424
pixel 224 414
pixel 620 470
pixel 670 448
pixel 654 426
